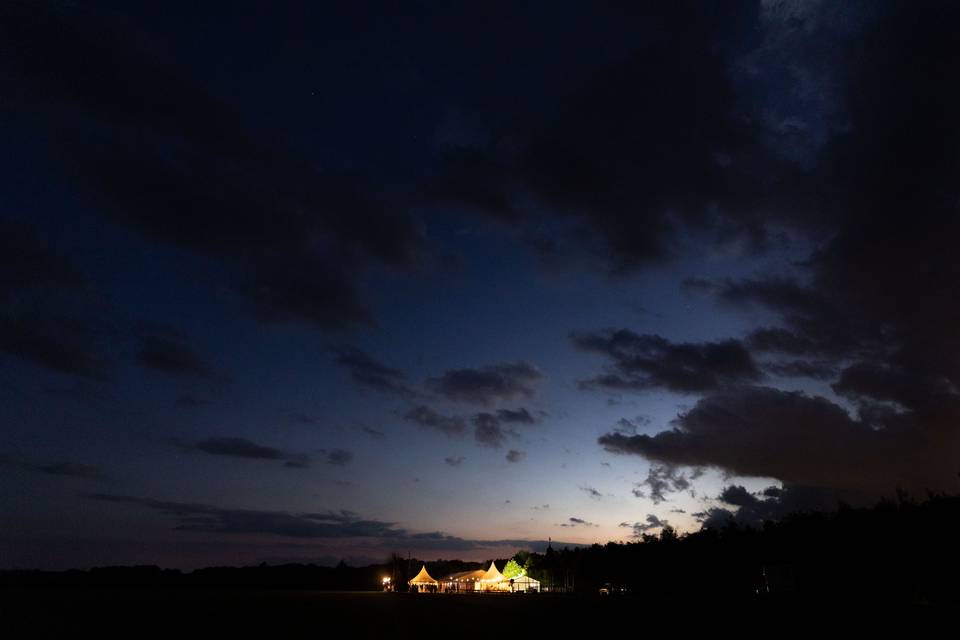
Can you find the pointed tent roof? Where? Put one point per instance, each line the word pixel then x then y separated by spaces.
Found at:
pixel 422 578
pixel 492 574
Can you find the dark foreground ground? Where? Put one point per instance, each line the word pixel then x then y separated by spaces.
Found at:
pixel 301 614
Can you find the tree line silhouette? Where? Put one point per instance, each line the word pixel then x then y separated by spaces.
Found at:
pixel 898 549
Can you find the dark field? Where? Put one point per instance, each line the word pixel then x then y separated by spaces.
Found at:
pixel 294 614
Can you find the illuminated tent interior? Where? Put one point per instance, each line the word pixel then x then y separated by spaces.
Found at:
pixel 479 580
pixel 493 580
pixel 525 583
pixel 463 580
pixel 423 582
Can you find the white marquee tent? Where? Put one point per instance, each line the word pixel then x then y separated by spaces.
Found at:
pixel 423 582
pixel 525 583
pixel 493 580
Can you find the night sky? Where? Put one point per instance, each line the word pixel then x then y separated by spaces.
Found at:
pixel 450 279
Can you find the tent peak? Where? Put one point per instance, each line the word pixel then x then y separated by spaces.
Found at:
pixel 423 577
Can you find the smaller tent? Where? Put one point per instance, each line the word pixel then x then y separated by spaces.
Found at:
pixel 525 583
pixel 422 581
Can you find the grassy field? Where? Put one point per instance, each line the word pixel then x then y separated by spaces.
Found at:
pixel 295 614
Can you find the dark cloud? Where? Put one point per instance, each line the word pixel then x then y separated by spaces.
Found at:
pixel 771 504
pixel 487 430
pixel 623 168
pixel 780 340
pixel 367 373
pixel 205 518
pixel 488 385
pixel 929 396
pixel 783 294
pixel 71 469
pixel 873 305
pixel 662 480
pixel 301 288
pixel 814 370
pixel 816 325
pixel 60 343
pixel 515 456
pixel 518 416
pixel 737 496
pixel 801 440
pixel 493 429
pixel 234 447
pixel 373 433
pixel 475 181
pixel 593 493
pixel 338 457
pixel 649 361
pixel 137 136
pixel 629 427
pixel 27 262
pixel 171 357
pixel 40 292
pixel 698 285
pixel 651 522
pixel 88 393
pixel 454 461
pixel 577 522
pixel 64 468
pixel 333 525
pixel 875 300
pixel 238 448
pixel 303 461
pixel 52 316
pixel 427 418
